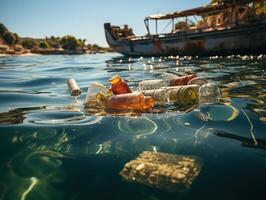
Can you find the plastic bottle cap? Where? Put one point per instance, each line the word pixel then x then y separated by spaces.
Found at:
pixel 101 96
pixel 115 79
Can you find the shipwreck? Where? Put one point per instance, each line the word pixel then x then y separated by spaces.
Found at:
pixel 224 28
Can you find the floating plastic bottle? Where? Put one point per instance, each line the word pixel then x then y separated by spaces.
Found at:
pixel 93 90
pixel 183 95
pixel 209 93
pixel 119 86
pixel 160 96
pixel 130 101
pixel 167 77
pixel 183 80
pixel 152 84
pixel 180 95
pixel 198 81
pixel 73 87
pixel 167 80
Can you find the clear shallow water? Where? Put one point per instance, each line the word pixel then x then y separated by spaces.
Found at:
pixel 51 148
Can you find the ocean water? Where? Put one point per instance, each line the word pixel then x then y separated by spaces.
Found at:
pixel 53 148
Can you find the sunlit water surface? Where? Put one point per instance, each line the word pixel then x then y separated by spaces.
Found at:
pixel 51 148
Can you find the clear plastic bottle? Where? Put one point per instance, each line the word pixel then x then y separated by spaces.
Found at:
pixel 198 81
pixel 130 101
pixel 166 76
pixel 159 96
pixel 209 93
pixel 167 80
pixel 91 100
pixel 151 84
pixel 180 95
pixel 119 86
pixel 183 95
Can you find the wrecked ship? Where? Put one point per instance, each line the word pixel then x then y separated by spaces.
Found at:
pixel 224 28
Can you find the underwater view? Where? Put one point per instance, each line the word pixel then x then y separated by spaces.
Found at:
pixel 52 147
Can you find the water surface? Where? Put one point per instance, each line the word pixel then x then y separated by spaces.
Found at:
pixel 51 148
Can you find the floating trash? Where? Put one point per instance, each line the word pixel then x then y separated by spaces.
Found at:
pixel 163 171
pixel 73 87
pixel 198 81
pixel 91 101
pixel 119 86
pixel 131 101
pixel 209 93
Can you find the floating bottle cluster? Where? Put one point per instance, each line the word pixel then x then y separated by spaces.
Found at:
pixel 181 91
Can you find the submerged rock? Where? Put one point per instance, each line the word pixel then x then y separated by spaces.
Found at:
pixel 162 171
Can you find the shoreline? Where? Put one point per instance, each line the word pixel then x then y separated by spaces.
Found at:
pixel 51 52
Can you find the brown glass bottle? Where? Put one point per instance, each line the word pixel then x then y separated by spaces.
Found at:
pixel 119 86
pixel 183 80
pixel 131 101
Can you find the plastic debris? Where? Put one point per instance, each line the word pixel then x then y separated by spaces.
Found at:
pixel 198 81
pixel 159 96
pixel 183 95
pixel 73 87
pixel 167 80
pixel 151 84
pixel 209 93
pixel 163 171
pixel 119 86
pixel 93 90
pixel 183 80
pixel 130 101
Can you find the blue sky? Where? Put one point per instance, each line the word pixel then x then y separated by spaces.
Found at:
pixel 83 18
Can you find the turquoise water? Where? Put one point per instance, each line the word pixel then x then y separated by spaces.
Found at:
pixel 51 148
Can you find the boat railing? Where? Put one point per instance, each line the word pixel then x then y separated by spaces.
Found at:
pixel 194 29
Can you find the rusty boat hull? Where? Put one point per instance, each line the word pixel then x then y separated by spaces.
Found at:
pixel 242 39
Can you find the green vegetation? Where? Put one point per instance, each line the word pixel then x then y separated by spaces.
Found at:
pixel 29 43
pixel 44 45
pixel 3 29
pixel 48 45
pixel 54 42
pixel 9 38
pixel 69 42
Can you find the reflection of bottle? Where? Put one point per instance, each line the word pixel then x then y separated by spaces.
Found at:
pixel 209 93
pixel 183 95
pixel 119 86
pixel 93 90
pixel 159 96
pixel 73 87
pixel 183 80
pixel 131 101
pixel 198 81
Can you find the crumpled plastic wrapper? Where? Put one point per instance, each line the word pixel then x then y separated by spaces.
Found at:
pixel 163 171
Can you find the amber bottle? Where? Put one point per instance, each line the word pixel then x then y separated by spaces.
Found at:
pixel 119 86
pixel 183 80
pixel 131 101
